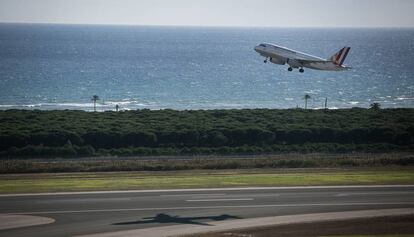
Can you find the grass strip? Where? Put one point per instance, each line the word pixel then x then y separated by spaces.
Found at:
pixel 36 183
pixel 176 163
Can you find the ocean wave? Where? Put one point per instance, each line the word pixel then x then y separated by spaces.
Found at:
pixel 107 105
pixel 405 98
pixel 121 103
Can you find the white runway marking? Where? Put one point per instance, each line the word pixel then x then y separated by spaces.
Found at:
pixel 372 193
pixel 193 194
pixel 219 200
pixel 84 200
pixel 211 207
pixel 342 195
pixel 257 195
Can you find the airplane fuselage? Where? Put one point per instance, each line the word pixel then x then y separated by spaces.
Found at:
pixel 295 59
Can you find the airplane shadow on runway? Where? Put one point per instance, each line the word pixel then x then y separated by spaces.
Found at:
pixel 165 218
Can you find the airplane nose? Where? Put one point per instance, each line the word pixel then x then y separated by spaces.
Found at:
pixel 256 48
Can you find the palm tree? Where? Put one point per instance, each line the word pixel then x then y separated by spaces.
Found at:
pixel 94 99
pixel 375 106
pixel 306 97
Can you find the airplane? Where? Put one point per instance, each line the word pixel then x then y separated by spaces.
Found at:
pixel 295 59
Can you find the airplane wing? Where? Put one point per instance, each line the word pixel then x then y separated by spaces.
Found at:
pixel 300 56
pixel 335 62
pixel 337 59
pixel 313 61
pixel 323 65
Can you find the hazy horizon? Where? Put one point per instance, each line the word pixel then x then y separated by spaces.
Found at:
pixel 209 26
pixel 213 13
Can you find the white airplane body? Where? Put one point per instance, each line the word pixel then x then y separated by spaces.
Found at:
pixel 295 59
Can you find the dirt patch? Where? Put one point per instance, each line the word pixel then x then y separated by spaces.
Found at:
pixel 366 226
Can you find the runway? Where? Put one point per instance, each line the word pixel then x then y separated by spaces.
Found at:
pixel 98 212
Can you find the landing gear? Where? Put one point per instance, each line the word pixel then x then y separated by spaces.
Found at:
pixel 301 70
pixel 290 69
pixel 265 61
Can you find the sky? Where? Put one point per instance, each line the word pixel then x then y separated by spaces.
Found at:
pixel 262 13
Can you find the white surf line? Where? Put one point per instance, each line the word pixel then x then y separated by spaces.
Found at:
pixel 219 200
pixel 207 190
pixel 209 207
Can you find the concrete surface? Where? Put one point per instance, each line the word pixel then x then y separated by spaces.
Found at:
pixel 17 221
pixel 103 212
pixel 179 230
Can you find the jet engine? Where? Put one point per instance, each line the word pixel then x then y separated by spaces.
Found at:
pixel 278 61
pixel 294 63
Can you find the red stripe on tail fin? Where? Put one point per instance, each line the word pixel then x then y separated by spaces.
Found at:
pixel 340 56
pixel 344 55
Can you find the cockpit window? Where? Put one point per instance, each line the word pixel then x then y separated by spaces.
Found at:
pixel 263 45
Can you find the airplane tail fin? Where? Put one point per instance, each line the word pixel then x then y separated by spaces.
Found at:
pixel 340 56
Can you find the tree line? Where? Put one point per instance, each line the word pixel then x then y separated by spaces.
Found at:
pixel 79 133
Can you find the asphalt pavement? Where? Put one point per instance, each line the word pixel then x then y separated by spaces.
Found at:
pixel 99 212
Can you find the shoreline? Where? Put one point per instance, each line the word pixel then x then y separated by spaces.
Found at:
pixel 129 106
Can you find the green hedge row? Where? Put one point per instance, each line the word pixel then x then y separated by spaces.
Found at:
pixel 88 151
pixel 287 161
pixel 143 132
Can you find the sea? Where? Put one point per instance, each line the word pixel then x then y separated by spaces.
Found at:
pixel 48 67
